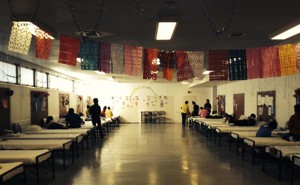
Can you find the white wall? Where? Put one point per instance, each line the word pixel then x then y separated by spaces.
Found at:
pixel 141 97
pixel 125 97
pixel 283 86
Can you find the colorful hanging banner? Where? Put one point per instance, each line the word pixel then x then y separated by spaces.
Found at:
pixel 254 61
pixel 297 49
pixel 184 69
pixel 150 64
pixel 133 60
pixel 270 62
pixel 237 65
pixel 196 59
pixel 117 58
pixel 42 47
pixel 167 60
pixel 104 58
pixel 287 58
pixel 89 55
pixel 218 65
pixel 68 50
pixel 20 39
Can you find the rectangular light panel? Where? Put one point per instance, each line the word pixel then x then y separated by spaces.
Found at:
pixel 165 30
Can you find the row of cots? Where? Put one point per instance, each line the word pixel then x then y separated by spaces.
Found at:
pixel 245 136
pixel 26 152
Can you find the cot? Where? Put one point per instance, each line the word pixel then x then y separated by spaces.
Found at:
pixel 295 158
pixel 281 153
pixel 86 132
pixel 30 159
pixel 53 145
pixel 262 142
pixel 225 130
pixel 238 136
pixel 10 170
pixel 76 138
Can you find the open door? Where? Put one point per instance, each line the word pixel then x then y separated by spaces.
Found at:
pixel 5 94
pixel 39 106
pixel 238 105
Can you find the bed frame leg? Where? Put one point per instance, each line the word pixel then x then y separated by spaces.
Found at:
pixel 52 165
pixel 37 174
pixel 24 176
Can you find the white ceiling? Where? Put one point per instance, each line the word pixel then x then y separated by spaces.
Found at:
pixel 123 20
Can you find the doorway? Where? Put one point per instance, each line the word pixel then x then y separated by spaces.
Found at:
pixel 5 108
pixel 238 105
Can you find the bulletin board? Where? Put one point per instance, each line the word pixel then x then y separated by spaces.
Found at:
pixel 266 105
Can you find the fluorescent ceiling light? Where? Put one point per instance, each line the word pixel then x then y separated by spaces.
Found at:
pixel 35 30
pixel 165 30
pixel 288 33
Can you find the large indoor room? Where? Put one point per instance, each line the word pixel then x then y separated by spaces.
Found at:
pixel 119 92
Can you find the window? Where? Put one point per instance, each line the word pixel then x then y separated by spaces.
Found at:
pixel 60 83
pixel 65 85
pixel 41 79
pixel 53 82
pixel 8 72
pixel 26 76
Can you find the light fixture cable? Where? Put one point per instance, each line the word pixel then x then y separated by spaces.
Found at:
pixel 13 15
pixel 218 31
pixel 75 18
pixel 161 14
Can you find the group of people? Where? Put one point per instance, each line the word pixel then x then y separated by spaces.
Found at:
pixel 73 120
pixel 105 113
pixel 265 130
pixel 203 112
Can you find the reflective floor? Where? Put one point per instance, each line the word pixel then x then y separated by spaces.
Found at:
pixel 162 154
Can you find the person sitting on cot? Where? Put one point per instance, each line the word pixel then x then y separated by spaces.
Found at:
pixel 266 130
pixel 51 124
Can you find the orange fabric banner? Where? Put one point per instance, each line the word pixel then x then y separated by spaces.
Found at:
pixel 42 48
pixel 287 58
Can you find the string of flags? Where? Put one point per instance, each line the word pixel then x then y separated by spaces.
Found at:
pixel 230 65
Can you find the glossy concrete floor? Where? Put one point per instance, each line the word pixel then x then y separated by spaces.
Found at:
pixel 161 154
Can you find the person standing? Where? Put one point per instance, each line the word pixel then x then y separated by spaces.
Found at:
pixel 294 123
pixel 95 111
pixel 184 112
pixel 195 109
pixel 207 106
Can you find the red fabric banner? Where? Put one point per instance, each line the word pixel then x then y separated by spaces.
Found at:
pixel 68 50
pixel 104 58
pixel 270 62
pixel 254 61
pixel 167 60
pixel 133 60
pixel 287 58
pixel 42 48
pixel 150 65
pixel 184 68
pixel 218 64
